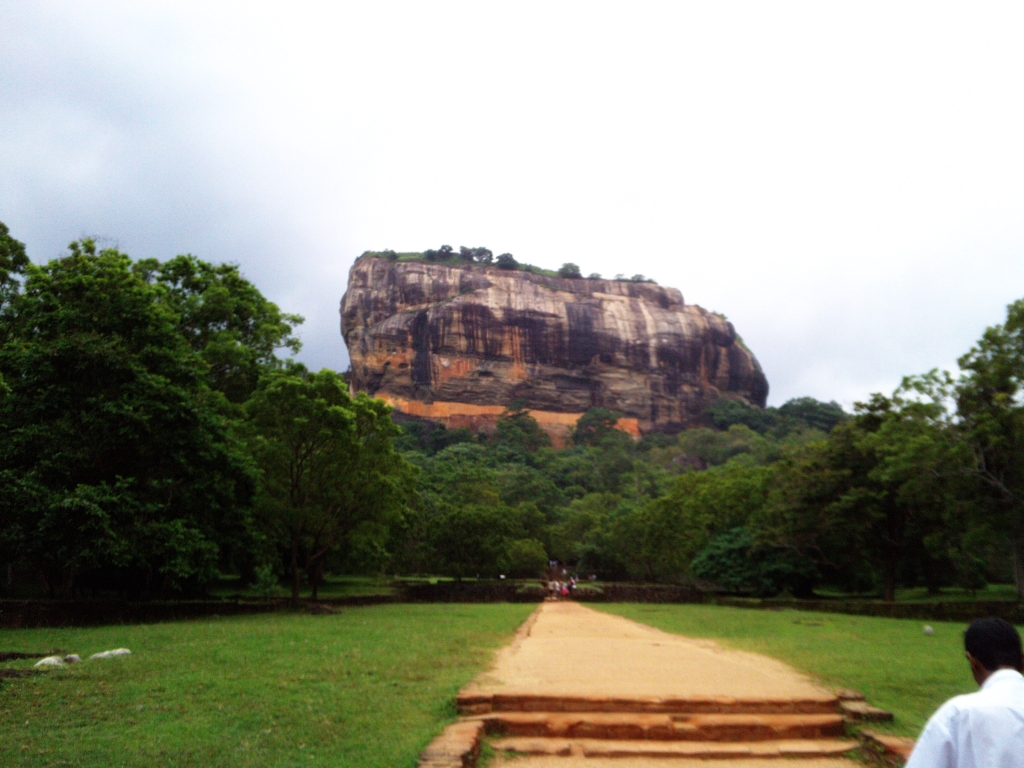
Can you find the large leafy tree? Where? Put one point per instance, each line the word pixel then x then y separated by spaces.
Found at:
pixel 879 493
pixel 13 261
pixel 473 521
pixel 989 403
pixel 595 426
pixel 330 475
pixel 223 316
pixel 518 431
pixel 674 527
pixel 801 413
pixel 118 466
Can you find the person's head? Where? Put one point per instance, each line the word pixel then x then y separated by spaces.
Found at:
pixel 992 644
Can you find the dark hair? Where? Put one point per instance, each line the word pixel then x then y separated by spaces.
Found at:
pixel 994 643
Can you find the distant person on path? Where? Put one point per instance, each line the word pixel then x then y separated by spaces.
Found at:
pixel 983 729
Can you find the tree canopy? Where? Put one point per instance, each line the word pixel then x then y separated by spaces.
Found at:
pixel 330 476
pixel 153 436
pixel 118 462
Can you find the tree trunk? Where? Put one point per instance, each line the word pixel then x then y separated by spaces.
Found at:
pixel 315 574
pixel 890 577
pixel 1018 567
pixel 295 574
pixel 932 578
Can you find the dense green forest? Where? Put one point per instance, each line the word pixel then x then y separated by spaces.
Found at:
pixel 154 434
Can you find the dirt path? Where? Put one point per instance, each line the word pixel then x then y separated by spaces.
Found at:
pixel 571 649
pixel 566 649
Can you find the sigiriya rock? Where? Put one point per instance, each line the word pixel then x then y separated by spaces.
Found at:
pixel 457 343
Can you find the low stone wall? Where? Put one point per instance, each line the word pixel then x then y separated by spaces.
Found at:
pixel 17 614
pixel 471 592
pixel 24 614
pixel 953 611
pixel 638 593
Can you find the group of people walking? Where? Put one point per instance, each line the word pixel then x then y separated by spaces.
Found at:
pixel 560 584
pixel 561 590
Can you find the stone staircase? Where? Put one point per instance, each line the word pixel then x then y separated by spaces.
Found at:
pixel 649 727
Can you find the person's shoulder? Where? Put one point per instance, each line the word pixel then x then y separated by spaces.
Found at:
pixel 956 705
pixel 980 699
pixel 1005 688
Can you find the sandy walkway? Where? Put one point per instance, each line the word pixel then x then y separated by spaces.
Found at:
pixel 574 650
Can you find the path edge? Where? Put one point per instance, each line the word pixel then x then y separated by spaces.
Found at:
pixel 458 745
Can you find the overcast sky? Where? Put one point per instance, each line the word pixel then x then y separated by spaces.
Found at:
pixel 844 181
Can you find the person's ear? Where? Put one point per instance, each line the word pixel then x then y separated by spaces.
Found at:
pixel 977 669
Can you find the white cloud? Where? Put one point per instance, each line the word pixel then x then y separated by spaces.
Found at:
pixel 846 183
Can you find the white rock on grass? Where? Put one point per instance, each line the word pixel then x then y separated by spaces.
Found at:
pixel 50 661
pixel 928 630
pixel 72 658
pixel 111 654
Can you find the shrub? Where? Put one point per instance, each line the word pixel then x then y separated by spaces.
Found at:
pixel 441 254
pixel 725 412
pixel 524 558
pixel 476 255
pixel 594 426
pixel 505 261
pixel 732 561
pixel 814 413
pixel 569 270
pixel 266 581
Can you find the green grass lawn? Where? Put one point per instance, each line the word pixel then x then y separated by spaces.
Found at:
pixel 891 661
pixel 364 687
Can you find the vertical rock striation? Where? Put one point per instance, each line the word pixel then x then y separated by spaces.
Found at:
pixel 458 343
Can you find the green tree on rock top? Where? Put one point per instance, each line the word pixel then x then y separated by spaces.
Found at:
pixel 569 270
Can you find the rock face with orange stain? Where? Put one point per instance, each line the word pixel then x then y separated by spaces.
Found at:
pixel 438 338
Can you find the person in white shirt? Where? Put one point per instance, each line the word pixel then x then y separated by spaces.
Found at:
pixel 983 729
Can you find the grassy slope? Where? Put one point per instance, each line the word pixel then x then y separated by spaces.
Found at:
pixel 891 661
pixel 365 687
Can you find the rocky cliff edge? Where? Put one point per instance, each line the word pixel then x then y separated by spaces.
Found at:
pixel 457 343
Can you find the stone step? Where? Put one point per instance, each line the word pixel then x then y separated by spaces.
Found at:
pixel 898 747
pixel 482 702
pixel 458 746
pixel 597 748
pixel 663 727
pixel 861 710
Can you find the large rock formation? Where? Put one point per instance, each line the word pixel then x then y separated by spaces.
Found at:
pixel 458 343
